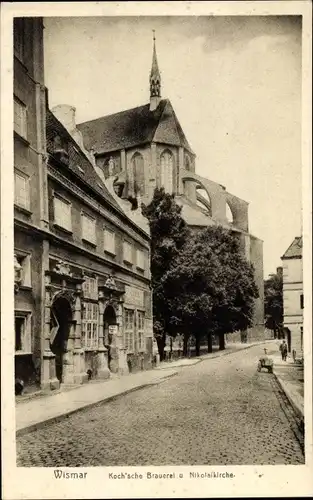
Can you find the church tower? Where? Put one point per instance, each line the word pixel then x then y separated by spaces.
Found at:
pixel 155 80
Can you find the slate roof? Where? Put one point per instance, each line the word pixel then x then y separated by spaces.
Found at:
pixel 294 250
pixel 133 127
pixel 78 163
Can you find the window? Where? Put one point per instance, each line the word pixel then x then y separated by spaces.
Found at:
pixel 25 263
pixel 141 330
pixel 187 162
pixel 20 118
pixel 167 171
pixel 90 325
pixel 63 213
pixel 90 288
pixel 21 190
pixel 129 327
pixel 301 337
pixel 89 228
pixel 109 241
pixel 138 173
pixel 140 259
pixel 127 252
pixel 19 38
pixel 301 301
pixel 22 332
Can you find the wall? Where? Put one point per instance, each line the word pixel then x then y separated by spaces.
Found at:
pixel 292 291
pixel 29 151
pixel 28 88
pixel 28 299
pixel 256 259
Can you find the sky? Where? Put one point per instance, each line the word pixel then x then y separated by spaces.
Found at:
pixel 234 83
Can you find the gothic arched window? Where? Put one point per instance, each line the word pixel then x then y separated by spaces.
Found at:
pixel 138 173
pixel 187 162
pixel 167 171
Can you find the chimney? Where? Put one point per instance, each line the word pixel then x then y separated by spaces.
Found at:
pixel 66 115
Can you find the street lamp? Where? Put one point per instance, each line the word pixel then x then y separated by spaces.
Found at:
pixel 17 275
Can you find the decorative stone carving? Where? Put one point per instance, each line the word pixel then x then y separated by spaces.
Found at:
pixel 70 296
pixel 110 283
pixel 62 268
pixel 111 166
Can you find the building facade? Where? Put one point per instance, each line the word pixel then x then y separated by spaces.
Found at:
pixel 83 303
pixel 30 215
pixel 147 148
pixel 293 296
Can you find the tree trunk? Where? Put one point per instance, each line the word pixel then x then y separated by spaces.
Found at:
pixel 197 345
pixel 185 346
pixel 221 338
pixel 209 339
pixel 161 346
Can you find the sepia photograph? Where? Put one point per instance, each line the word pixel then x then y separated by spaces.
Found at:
pixel 159 310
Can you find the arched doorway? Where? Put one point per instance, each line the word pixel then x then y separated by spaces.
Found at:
pixel 61 316
pixel 109 325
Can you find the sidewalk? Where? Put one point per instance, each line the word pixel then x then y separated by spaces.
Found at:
pixel 35 412
pixel 291 380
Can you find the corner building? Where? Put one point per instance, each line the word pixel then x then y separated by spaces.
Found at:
pixel 293 297
pixel 83 304
pixel 146 148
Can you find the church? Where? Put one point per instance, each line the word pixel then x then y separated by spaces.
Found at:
pixel 145 147
pixel 136 150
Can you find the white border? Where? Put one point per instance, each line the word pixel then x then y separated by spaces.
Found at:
pixel 254 481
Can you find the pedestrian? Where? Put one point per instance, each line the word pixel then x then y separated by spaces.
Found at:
pixel 283 349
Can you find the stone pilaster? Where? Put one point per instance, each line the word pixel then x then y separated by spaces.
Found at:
pixel 68 362
pixel 122 356
pixel 48 373
pixel 80 374
pixel 103 368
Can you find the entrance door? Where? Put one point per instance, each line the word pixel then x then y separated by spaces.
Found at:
pixel 109 320
pixel 61 314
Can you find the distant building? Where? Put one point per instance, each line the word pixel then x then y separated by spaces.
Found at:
pixel 83 302
pixel 149 150
pixel 293 296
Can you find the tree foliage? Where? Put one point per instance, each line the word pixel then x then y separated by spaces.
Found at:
pixel 169 233
pixel 211 286
pixel 273 303
pixel 202 283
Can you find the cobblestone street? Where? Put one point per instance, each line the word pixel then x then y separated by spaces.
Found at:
pixel 217 412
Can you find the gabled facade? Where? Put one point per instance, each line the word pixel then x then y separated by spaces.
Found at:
pixel 293 296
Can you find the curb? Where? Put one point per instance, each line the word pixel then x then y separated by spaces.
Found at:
pixel 297 409
pixel 63 416
pixel 217 355
pixel 225 353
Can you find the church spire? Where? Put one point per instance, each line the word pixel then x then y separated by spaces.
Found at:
pixel 155 80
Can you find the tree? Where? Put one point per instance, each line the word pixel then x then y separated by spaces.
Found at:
pixel 210 286
pixel 273 303
pixel 169 233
